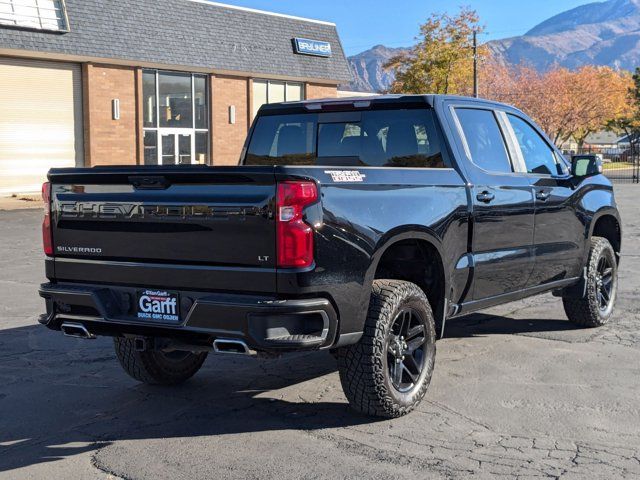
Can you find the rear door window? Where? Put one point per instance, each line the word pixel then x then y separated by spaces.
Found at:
pixel 378 138
pixel 484 139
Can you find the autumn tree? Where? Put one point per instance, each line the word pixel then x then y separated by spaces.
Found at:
pixel 565 103
pixel 598 95
pixel 442 60
pixel 629 122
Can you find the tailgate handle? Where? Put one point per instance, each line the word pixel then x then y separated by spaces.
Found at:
pixel 149 182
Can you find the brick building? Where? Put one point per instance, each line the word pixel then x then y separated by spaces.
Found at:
pixel 100 82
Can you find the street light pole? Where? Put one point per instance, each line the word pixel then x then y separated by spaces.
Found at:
pixel 475 63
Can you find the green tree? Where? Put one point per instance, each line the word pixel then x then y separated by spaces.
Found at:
pixel 442 60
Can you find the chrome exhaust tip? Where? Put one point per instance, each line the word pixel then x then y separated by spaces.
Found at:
pixel 76 330
pixel 231 346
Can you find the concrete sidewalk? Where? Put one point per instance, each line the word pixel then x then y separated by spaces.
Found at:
pixel 20 202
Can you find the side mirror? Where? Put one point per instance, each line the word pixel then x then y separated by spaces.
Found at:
pixel 586 165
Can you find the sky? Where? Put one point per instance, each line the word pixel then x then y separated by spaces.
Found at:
pixel 394 23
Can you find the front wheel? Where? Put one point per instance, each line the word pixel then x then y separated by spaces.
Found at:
pixel 595 308
pixel 156 367
pixel 387 373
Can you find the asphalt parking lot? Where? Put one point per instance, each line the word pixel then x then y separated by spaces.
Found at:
pixel 517 392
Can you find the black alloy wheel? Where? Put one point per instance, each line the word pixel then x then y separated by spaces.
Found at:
pixel 604 283
pixel 406 350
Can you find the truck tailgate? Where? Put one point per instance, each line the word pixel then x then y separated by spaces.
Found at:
pixel 201 216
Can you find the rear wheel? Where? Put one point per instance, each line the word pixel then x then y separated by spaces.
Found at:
pixel 388 371
pixel 156 367
pixel 596 307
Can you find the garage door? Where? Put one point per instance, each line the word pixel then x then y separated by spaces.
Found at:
pixel 40 121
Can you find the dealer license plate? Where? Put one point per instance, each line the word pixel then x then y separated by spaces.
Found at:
pixel 158 305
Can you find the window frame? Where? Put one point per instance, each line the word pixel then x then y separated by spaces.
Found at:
pixel 468 106
pixel 64 19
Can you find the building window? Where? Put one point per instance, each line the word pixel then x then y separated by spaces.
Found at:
pixel 176 102
pixel 38 14
pixel 270 91
pixel 175 118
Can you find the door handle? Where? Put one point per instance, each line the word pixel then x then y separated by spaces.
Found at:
pixel 485 197
pixel 542 195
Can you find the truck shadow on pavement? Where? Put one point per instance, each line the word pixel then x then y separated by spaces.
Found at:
pixel 61 397
pixel 481 324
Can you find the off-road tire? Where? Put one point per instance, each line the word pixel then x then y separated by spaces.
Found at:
pixel 363 369
pixel 586 311
pixel 155 367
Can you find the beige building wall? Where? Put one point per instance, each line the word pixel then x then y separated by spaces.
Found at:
pixel 316 91
pixel 109 141
pixel 228 138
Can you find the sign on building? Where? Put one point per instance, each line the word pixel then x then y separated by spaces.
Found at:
pixel 304 46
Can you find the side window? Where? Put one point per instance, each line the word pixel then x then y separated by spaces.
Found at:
pixel 538 156
pixel 484 139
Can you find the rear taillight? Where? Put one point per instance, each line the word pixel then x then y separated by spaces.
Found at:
pixel 47 243
pixel 294 236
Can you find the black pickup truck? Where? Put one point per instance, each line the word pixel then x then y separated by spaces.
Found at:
pixel 352 225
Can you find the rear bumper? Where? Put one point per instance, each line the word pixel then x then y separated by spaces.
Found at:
pixel 263 323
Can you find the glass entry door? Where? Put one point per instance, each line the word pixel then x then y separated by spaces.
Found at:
pixel 176 117
pixel 176 148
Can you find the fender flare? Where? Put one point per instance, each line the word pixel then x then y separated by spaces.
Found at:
pixel 603 212
pixel 607 211
pixel 407 232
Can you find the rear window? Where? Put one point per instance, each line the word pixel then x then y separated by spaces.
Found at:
pixel 377 138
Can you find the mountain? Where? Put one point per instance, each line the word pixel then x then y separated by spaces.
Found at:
pixel 367 68
pixel 601 33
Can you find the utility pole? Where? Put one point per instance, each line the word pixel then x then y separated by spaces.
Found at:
pixel 475 63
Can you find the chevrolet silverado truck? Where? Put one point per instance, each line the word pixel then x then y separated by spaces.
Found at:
pixel 359 226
